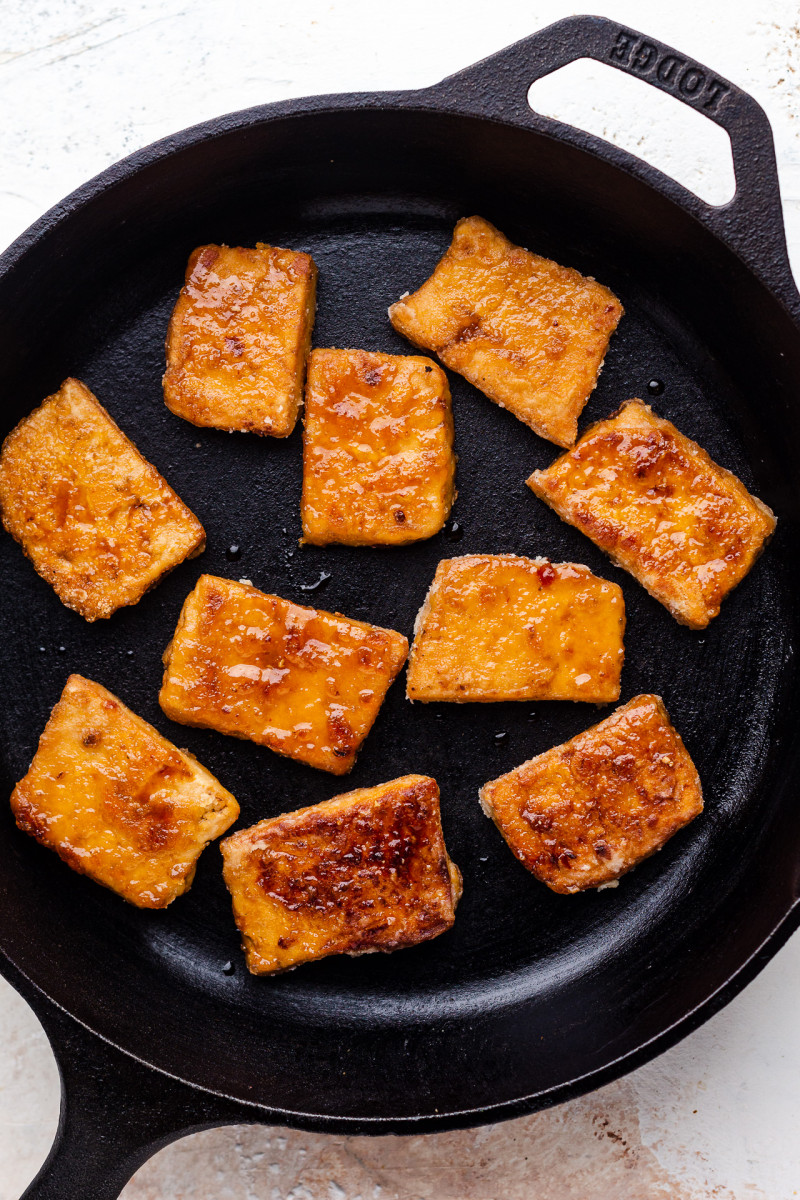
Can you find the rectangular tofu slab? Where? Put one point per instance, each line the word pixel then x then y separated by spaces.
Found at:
pixel 305 683
pixel 584 813
pixel 378 461
pixel 239 337
pixel 688 530
pixel 530 334
pixel 95 518
pixel 362 872
pixel 117 801
pixel 501 627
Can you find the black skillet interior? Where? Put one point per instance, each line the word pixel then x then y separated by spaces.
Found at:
pixel 530 992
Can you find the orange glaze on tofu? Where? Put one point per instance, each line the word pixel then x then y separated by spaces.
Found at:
pixel 117 801
pixel 584 813
pixel 530 334
pixel 688 530
pixel 362 872
pixel 378 462
pixel 95 518
pixel 306 683
pixel 239 337
pixel 500 627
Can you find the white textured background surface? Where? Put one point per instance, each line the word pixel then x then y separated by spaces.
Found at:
pixel 83 82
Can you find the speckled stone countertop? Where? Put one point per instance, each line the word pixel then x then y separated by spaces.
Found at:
pixel 83 82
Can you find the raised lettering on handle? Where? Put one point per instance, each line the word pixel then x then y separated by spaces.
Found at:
pixel 680 76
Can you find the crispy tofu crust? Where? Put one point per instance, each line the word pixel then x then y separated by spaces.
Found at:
pixel 239 337
pixel 95 518
pixel 655 502
pixel 530 334
pixel 305 683
pixel 117 801
pixel 362 872
pixel 584 813
pixel 378 461
pixel 500 627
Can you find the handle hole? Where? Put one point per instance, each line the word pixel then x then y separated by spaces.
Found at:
pixel 654 126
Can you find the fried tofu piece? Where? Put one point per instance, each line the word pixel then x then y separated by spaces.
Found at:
pixel 501 627
pixel 530 334
pixel 117 801
pixel 305 683
pixel 582 814
pixel 362 872
pixel 95 518
pixel 378 461
pixel 659 507
pixel 239 337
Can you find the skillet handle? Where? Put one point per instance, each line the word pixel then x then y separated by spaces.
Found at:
pixel 115 1113
pixel 752 223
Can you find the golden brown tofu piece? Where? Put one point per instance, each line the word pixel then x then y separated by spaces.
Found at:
pixel 500 627
pixel 378 461
pixel 688 530
pixel 95 518
pixel 239 336
pixel 306 683
pixel 530 334
pixel 117 801
pixel 582 814
pixel 362 872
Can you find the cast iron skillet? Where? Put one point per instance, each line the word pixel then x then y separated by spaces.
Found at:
pixel 531 998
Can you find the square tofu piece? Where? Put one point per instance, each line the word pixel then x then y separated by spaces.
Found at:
pixel 584 813
pixel 378 462
pixel 306 683
pixel 688 530
pixel 239 337
pixel 95 518
pixel 500 627
pixel 117 801
pixel 362 872
pixel 530 334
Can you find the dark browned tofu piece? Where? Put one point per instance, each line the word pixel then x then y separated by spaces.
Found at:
pixel 530 334
pixel 95 518
pixel 239 337
pixel 688 530
pixel 304 682
pixel 378 461
pixel 362 872
pixel 117 801
pixel 582 814
pixel 501 627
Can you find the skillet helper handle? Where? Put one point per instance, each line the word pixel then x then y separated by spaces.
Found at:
pixel 115 1114
pixel 752 223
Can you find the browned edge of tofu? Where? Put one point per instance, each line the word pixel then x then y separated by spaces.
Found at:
pixel 612 854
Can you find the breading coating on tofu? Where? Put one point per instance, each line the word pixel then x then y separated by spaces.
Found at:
pixel 584 813
pixel 530 334
pixel 378 461
pixel 362 872
pixel 239 337
pixel 117 801
pixel 688 530
pixel 305 683
pixel 95 518
pixel 501 627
